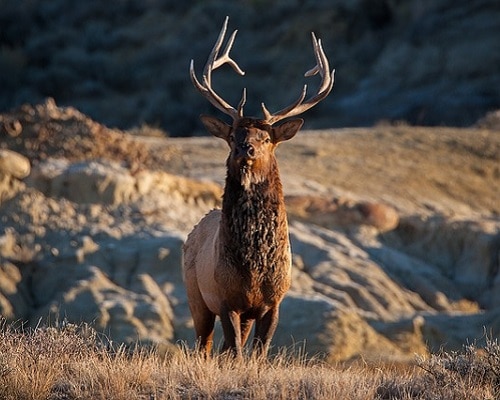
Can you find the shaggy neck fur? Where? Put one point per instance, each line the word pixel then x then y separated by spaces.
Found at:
pixel 254 225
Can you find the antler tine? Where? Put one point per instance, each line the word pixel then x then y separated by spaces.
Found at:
pixel 322 65
pixel 214 62
pixel 299 106
pixel 318 50
pixel 242 103
pixel 226 59
pixel 269 117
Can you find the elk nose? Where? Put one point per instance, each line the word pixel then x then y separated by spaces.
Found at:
pixel 247 150
pixel 250 151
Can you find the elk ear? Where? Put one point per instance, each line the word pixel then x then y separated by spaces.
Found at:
pixel 287 130
pixel 216 127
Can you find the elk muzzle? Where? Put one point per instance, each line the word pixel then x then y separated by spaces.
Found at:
pixel 245 151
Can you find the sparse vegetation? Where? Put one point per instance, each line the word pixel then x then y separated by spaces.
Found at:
pixel 73 362
pixel 470 374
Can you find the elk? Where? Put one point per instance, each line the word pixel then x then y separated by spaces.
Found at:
pixel 237 260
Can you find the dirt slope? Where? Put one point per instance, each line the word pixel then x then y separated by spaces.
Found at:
pixel 415 169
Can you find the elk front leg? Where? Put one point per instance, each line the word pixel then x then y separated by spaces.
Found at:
pixel 231 326
pixel 264 331
pixel 246 327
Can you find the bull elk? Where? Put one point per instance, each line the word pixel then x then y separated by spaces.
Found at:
pixel 237 260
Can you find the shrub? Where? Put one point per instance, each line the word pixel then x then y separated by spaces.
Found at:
pixel 470 374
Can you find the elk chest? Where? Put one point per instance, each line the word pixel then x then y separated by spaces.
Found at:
pixel 255 240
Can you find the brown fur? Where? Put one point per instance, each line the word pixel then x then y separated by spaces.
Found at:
pixel 237 261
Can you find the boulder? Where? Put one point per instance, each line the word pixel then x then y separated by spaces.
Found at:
pixel 342 213
pixel 13 168
pixel 14 296
pixel 85 182
pixel 14 164
pixel 14 299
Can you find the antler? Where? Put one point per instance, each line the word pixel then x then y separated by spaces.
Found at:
pixel 299 106
pixel 214 62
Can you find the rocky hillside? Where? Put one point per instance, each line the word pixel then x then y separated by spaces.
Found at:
pixel 126 63
pixel 395 232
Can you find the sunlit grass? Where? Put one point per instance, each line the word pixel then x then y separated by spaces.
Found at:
pixel 72 362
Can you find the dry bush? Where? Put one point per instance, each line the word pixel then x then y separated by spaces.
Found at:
pixel 148 131
pixel 72 362
pixel 472 374
pixel 31 362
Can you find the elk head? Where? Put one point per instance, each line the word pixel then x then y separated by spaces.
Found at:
pixel 252 141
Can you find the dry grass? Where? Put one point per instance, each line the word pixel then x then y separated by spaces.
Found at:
pixel 72 363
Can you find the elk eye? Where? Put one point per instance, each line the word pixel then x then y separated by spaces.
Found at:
pixel 267 140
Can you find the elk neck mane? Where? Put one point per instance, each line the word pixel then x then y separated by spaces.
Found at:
pixel 254 223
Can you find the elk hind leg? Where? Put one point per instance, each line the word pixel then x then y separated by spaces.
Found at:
pixel 203 319
pixel 204 328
